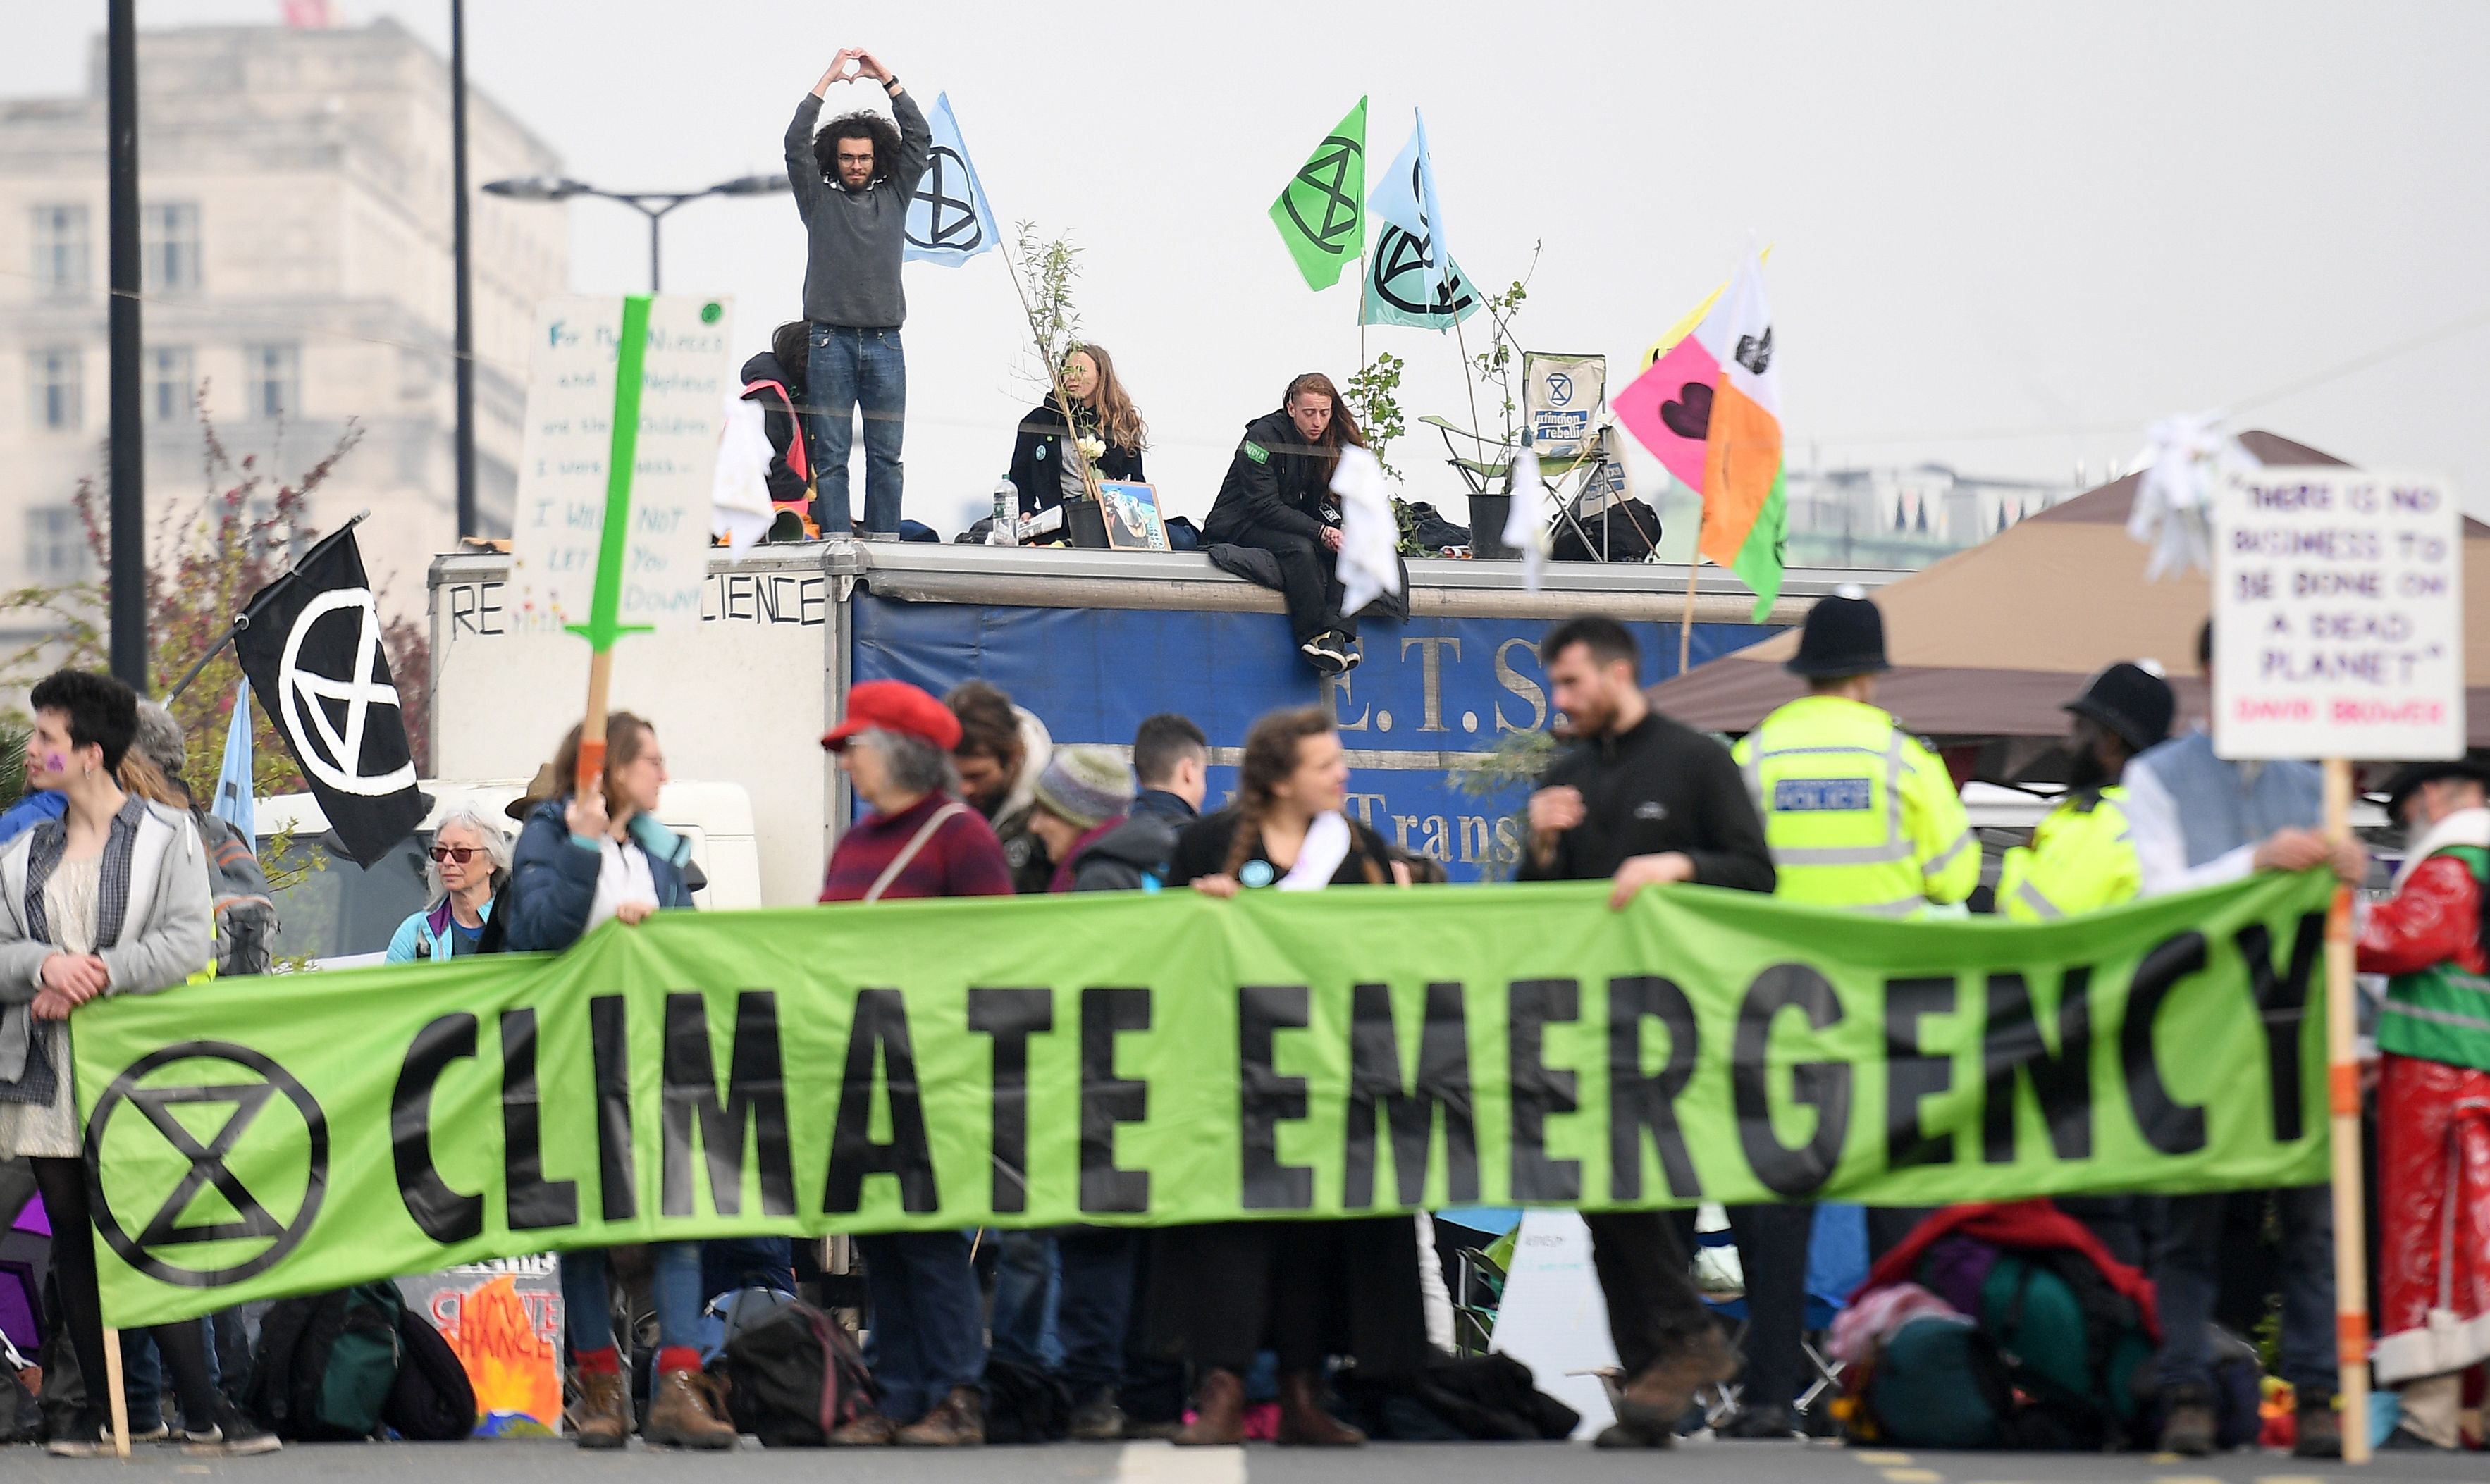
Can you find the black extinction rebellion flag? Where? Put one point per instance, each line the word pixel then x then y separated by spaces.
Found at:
pixel 311 646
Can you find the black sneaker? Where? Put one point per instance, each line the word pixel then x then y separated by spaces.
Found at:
pixel 1753 1422
pixel 1352 652
pixel 231 1436
pixel 1098 1419
pixel 1326 651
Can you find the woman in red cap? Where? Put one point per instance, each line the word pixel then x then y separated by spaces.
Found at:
pixel 919 840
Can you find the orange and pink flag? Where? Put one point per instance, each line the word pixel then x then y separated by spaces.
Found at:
pixel 1709 408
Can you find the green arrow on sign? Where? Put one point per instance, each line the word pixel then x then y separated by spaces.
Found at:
pixel 602 627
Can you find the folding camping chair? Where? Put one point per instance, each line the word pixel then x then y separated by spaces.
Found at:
pixel 1490 473
pixel 1837 1263
pixel 1565 417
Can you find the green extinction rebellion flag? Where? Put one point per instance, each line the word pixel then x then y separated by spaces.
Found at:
pixel 1172 1058
pixel 1322 212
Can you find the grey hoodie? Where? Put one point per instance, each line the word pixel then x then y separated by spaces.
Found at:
pixel 854 238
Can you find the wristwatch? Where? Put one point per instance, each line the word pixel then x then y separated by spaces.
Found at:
pixel 890 86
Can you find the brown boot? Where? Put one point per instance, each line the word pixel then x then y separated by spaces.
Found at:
pixel 2189 1428
pixel 1303 1421
pixel 603 1419
pixel 2321 1427
pixel 680 1413
pixel 1218 1412
pixel 959 1421
pixel 1659 1395
pixel 869 1430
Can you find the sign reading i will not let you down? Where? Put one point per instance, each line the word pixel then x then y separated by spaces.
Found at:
pixel 2339 602
pixel 637 386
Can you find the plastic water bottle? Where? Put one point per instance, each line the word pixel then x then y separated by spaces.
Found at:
pixel 1005 529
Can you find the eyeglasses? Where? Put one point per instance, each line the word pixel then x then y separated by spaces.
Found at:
pixel 462 854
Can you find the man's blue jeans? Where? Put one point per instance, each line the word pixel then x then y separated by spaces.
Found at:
pixel 2186 1277
pixel 588 1312
pixel 1100 1264
pixel 847 369
pixel 928 1327
pixel 1025 1289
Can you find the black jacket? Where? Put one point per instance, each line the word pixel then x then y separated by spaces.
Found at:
pixel 1037 458
pixel 1276 481
pixel 1131 857
pixel 778 420
pixel 1203 850
pixel 1656 787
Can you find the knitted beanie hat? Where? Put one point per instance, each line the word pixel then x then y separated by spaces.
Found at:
pixel 1086 785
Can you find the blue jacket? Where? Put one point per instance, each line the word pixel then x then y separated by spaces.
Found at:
pixel 37 806
pixel 553 876
pixel 426 935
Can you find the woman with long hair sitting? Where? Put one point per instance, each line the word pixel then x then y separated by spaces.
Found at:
pixel 1105 433
pixel 1278 496
pixel 1305 1290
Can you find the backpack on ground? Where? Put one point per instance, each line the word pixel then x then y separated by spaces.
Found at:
pixel 1025 1404
pixel 327 1362
pixel 794 1377
pixel 1490 1398
pixel 2041 1351
pixel 432 1400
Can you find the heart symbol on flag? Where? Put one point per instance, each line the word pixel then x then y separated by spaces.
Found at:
pixel 1690 416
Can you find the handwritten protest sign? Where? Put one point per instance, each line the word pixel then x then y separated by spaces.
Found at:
pixel 659 367
pixel 2339 615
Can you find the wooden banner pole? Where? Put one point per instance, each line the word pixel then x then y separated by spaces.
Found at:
pixel 120 1398
pixel 2343 1068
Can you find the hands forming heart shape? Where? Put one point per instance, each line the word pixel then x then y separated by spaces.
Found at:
pixel 854 64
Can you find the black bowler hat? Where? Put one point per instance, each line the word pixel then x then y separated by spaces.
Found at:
pixel 1844 636
pixel 2134 703
pixel 2408 779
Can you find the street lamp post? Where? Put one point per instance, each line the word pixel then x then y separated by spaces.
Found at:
pixel 652 204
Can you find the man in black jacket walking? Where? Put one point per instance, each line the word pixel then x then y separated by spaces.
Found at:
pixel 1641 801
pixel 1278 496
pixel 853 183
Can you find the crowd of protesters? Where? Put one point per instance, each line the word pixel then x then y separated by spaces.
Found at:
pixel 1184 1331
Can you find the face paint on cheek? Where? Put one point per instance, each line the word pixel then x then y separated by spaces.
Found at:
pixel 54 762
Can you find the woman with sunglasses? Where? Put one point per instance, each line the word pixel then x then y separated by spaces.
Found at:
pixel 471 858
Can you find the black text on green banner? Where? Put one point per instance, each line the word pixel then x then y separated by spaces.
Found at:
pixel 1172 1058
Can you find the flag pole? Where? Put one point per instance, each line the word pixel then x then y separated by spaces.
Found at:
pixel 242 620
pixel 2343 1081
pixel 1694 564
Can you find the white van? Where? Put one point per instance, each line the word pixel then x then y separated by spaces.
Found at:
pixel 337 914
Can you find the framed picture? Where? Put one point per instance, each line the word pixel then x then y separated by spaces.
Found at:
pixel 1132 512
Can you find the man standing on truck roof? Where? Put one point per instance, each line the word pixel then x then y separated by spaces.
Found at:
pixel 1641 801
pixel 853 183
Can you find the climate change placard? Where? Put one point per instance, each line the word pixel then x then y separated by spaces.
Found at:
pixel 2338 599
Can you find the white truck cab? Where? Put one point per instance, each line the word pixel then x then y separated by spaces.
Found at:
pixel 337 914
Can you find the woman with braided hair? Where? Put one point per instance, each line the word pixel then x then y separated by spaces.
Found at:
pixel 1304 1290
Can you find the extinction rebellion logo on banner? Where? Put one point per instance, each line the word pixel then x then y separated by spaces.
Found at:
pixel 1173 1059
pixel 187 1115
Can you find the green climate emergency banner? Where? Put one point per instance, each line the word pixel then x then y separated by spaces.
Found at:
pixel 1171 1058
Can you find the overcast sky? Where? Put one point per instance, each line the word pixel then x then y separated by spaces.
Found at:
pixel 2007 235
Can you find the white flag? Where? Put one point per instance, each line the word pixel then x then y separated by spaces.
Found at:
pixel 1526 524
pixel 739 508
pixel 1369 534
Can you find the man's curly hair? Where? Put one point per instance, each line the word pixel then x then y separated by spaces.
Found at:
pixel 860 125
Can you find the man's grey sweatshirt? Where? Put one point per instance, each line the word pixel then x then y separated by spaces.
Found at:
pixel 853 237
